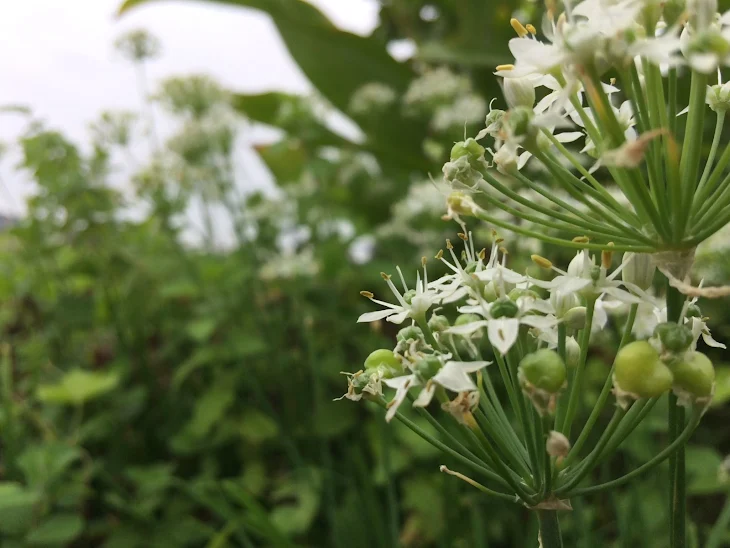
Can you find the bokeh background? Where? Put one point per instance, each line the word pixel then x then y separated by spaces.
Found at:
pixel 193 195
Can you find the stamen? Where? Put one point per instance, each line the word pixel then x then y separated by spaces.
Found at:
pixel 518 27
pixel 385 276
pixel 448 245
pixel 581 240
pixel 367 294
pixel 531 29
pixel 463 236
pixel 542 262
pixel 439 255
pixel 505 67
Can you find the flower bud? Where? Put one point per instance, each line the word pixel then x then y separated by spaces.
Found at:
pixel 639 269
pixel 572 352
pixel 639 373
pixel 543 369
pixel 503 308
pixel 694 378
pixel 575 318
pixel 383 358
pixel 563 301
pixel 518 292
pixel 518 120
pixel 557 444
pixel 693 311
pixel 463 319
pixel 490 292
pixel 469 148
pixel 410 333
pixel 519 92
pixel 438 323
pixel 718 97
pixel 675 338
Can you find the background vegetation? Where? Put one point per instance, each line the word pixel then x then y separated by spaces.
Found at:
pixel 157 393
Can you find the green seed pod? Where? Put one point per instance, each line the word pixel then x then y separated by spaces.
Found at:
pixel 693 311
pixel 694 376
pixel 428 367
pixel 383 358
pixel 674 337
pixel 410 333
pixel 438 323
pixel 503 308
pixel 544 370
pixel 639 373
pixel 575 318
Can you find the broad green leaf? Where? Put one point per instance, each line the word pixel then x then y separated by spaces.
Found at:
pixel 17 507
pixel 59 529
pixel 78 386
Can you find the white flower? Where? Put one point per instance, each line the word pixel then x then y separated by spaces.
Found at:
pixel 412 303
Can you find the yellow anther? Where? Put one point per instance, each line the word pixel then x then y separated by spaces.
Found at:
pixel 503 250
pixel 448 245
pixel 607 257
pixel 463 236
pixel 483 254
pixel 581 240
pixel 505 67
pixel 424 260
pixel 531 29
pixel 384 276
pixel 367 294
pixel 439 255
pixel 499 240
pixel 518 27
pixel 612 81
pixel 541 261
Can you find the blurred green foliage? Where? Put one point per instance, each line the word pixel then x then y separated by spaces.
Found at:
pixel 161 394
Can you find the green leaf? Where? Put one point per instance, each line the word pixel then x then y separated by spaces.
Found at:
pixel 43 464
pixel 57 529
pixel 17 505
pixel 78 386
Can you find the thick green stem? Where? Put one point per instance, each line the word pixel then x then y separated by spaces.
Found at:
pixel 549 529
pixel 677 484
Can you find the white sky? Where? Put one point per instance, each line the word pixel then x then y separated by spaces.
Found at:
pixel 58 58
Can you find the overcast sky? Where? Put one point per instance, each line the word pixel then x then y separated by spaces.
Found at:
pixel 58 57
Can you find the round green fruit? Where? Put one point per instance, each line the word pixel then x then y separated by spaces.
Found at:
pixel 543 369
pixel 639 371
pixel 694 375
pixel 383 357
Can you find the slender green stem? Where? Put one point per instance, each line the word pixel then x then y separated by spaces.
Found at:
pixel 550 536
pixel 716 138
pixel 500 440
pixel 658 459
pixel 701 205
pixel 575 389
pixel 691 149
pixel 603 396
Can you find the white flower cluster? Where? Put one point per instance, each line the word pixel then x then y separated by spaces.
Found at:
pixel 505 306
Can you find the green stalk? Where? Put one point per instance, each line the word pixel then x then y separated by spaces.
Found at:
pixel 677 484
pixel 500 440
pixel 658 459
pixel 550 536
pixel 716 138
pixel 575 389
pixel 492 407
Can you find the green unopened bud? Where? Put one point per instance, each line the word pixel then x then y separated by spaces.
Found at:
pixel 438 323
pixel 694 378
pixel 639 373
pixel 572 352
pixel 718 97
pixel 563 302
pixel 518 120
pixel 542 376
pixel 575 318
pixel 503 308
pixel 408 296
pixel 383 358
pixel 638 269
pixel 410 333
pixel 693 311
pixel 675 338
pixel 427 367
pixel 463 319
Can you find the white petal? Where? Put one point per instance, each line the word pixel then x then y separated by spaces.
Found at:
pixel 455 376
pixel 374 316
pixel 569 136
pixel 467 328
pixel 709 341
pixel 426 395
pixel 398 318
pixel 503 333
pixel 541 322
